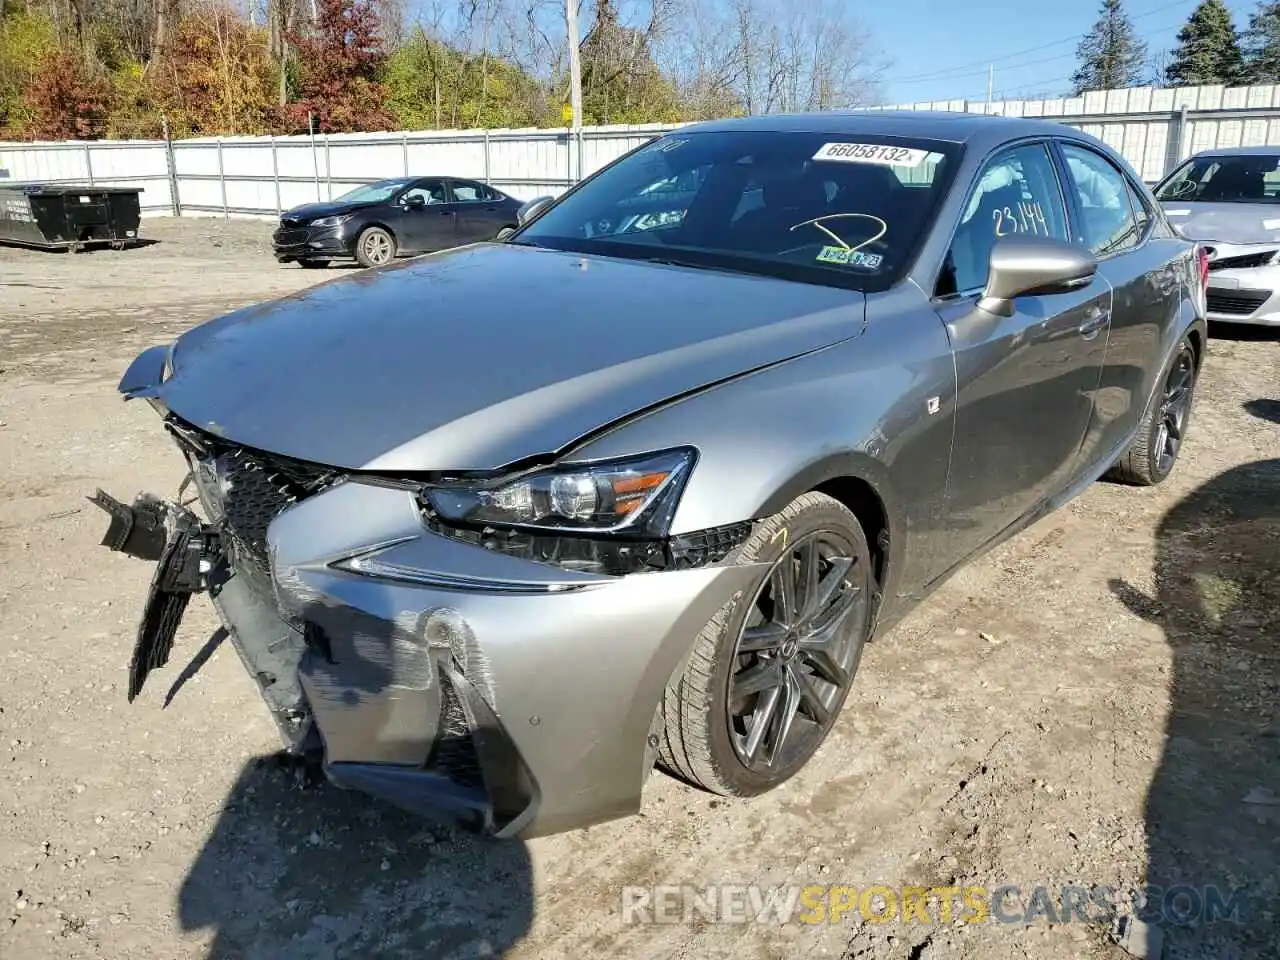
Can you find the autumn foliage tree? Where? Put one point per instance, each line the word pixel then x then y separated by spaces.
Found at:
pixel 340 70
pixel 65 102
pixel 217 76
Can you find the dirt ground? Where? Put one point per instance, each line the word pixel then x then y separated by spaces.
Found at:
pixel 1093 703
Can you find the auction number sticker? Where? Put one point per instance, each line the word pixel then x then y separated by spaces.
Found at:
pixel 849 257
pixel 871 153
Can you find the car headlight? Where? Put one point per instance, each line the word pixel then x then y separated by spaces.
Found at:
pixel 636 496
pixel 331 221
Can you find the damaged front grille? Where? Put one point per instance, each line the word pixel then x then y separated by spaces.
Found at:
pixel 243 491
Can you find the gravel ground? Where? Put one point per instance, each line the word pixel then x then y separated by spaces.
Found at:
pixel 1092 703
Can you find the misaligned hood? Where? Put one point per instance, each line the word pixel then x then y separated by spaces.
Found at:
pixel 485 355
pixel 313 211
pixel 1226 222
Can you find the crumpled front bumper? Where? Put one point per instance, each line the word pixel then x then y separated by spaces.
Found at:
pixel 515 697
pixel 552 678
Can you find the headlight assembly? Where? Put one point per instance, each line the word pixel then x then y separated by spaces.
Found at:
pixel 636 496
pixel 330 221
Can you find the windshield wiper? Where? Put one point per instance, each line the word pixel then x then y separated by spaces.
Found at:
pixel 693 265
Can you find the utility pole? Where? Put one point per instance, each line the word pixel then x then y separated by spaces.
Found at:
pixel 991 84
pixel 575 81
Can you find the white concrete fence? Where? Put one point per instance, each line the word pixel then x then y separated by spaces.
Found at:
pixel 261 176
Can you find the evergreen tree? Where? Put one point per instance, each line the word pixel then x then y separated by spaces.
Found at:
pixel 1208 49
pixel 1262 44
pixel 1111 56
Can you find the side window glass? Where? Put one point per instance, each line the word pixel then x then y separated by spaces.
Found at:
pixel 464 192
pixel 1016 193
pixel 430 192
pixel 1141 212
pixel 1107 224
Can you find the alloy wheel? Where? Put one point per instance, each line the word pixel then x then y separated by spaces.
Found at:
pixel 796 653
pixel 377 247
pixel 1175 405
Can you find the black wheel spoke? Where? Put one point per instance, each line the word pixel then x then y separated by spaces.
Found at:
pixel 824 665
pixel 766 636
pixel 810 698
pixel 784 593
pixel 810 571
pixel 761 719
pixel 790 706
pixel 831 582
pixel 757 678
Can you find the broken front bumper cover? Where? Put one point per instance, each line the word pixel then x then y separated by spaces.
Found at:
pixel 188 558
pixel 513 697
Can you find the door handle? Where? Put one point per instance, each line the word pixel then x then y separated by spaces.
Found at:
pixel 1094 320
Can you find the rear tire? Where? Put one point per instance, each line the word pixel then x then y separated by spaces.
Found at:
pixel 762 688
pixel 504 233
pixel 375 247
pixel 1155 450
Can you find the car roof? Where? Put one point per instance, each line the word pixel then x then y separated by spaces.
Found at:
pixel 1264 151
pixel 956 127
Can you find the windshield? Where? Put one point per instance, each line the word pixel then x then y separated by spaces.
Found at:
pixel 820 208
pixel 379 192
pixel 1239 179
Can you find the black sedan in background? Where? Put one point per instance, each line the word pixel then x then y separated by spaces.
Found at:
pixel 377 222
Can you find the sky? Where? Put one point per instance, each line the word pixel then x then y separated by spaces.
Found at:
pixel 942 51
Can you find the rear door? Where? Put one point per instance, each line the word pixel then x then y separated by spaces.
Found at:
pixel 431 225
pixel 1113 218
pixel 480 211
pixel 1024 382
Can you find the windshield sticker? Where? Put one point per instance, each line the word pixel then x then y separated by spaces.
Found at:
pixel 886 155
pixel 850 257
pixel 1028 217
pixel 1177 213
pixel 1271 224
pixel 666 144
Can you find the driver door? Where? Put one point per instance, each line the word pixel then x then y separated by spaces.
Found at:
pixel 1025 382
pixel 427 221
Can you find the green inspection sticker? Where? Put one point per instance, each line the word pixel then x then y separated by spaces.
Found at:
pixel 851 258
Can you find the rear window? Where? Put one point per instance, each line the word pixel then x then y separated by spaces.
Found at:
pixel 845 210
pixel 1240 179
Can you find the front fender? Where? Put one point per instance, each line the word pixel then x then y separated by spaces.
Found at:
pixel 860 409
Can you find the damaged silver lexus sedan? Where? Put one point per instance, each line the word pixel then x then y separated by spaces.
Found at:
pixel 498 529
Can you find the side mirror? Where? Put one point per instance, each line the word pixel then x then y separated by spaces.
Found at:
pixel 527 211
pixel 417 200
pixel 1034 266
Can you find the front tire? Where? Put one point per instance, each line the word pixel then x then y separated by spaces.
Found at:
pixel 769 673
pixel 504 233
pixel 1155 449
pixel 313 264
pixel 375 247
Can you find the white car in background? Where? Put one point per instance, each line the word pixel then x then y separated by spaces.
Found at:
pixel 1229 200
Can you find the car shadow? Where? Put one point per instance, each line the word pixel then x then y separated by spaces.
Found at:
pixel 1213 807
pixel 1264 409
pixel 296 867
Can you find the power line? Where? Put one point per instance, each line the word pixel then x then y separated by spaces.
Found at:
pixel 943 74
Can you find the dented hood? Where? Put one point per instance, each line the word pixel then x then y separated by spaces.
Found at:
pixel 484 355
